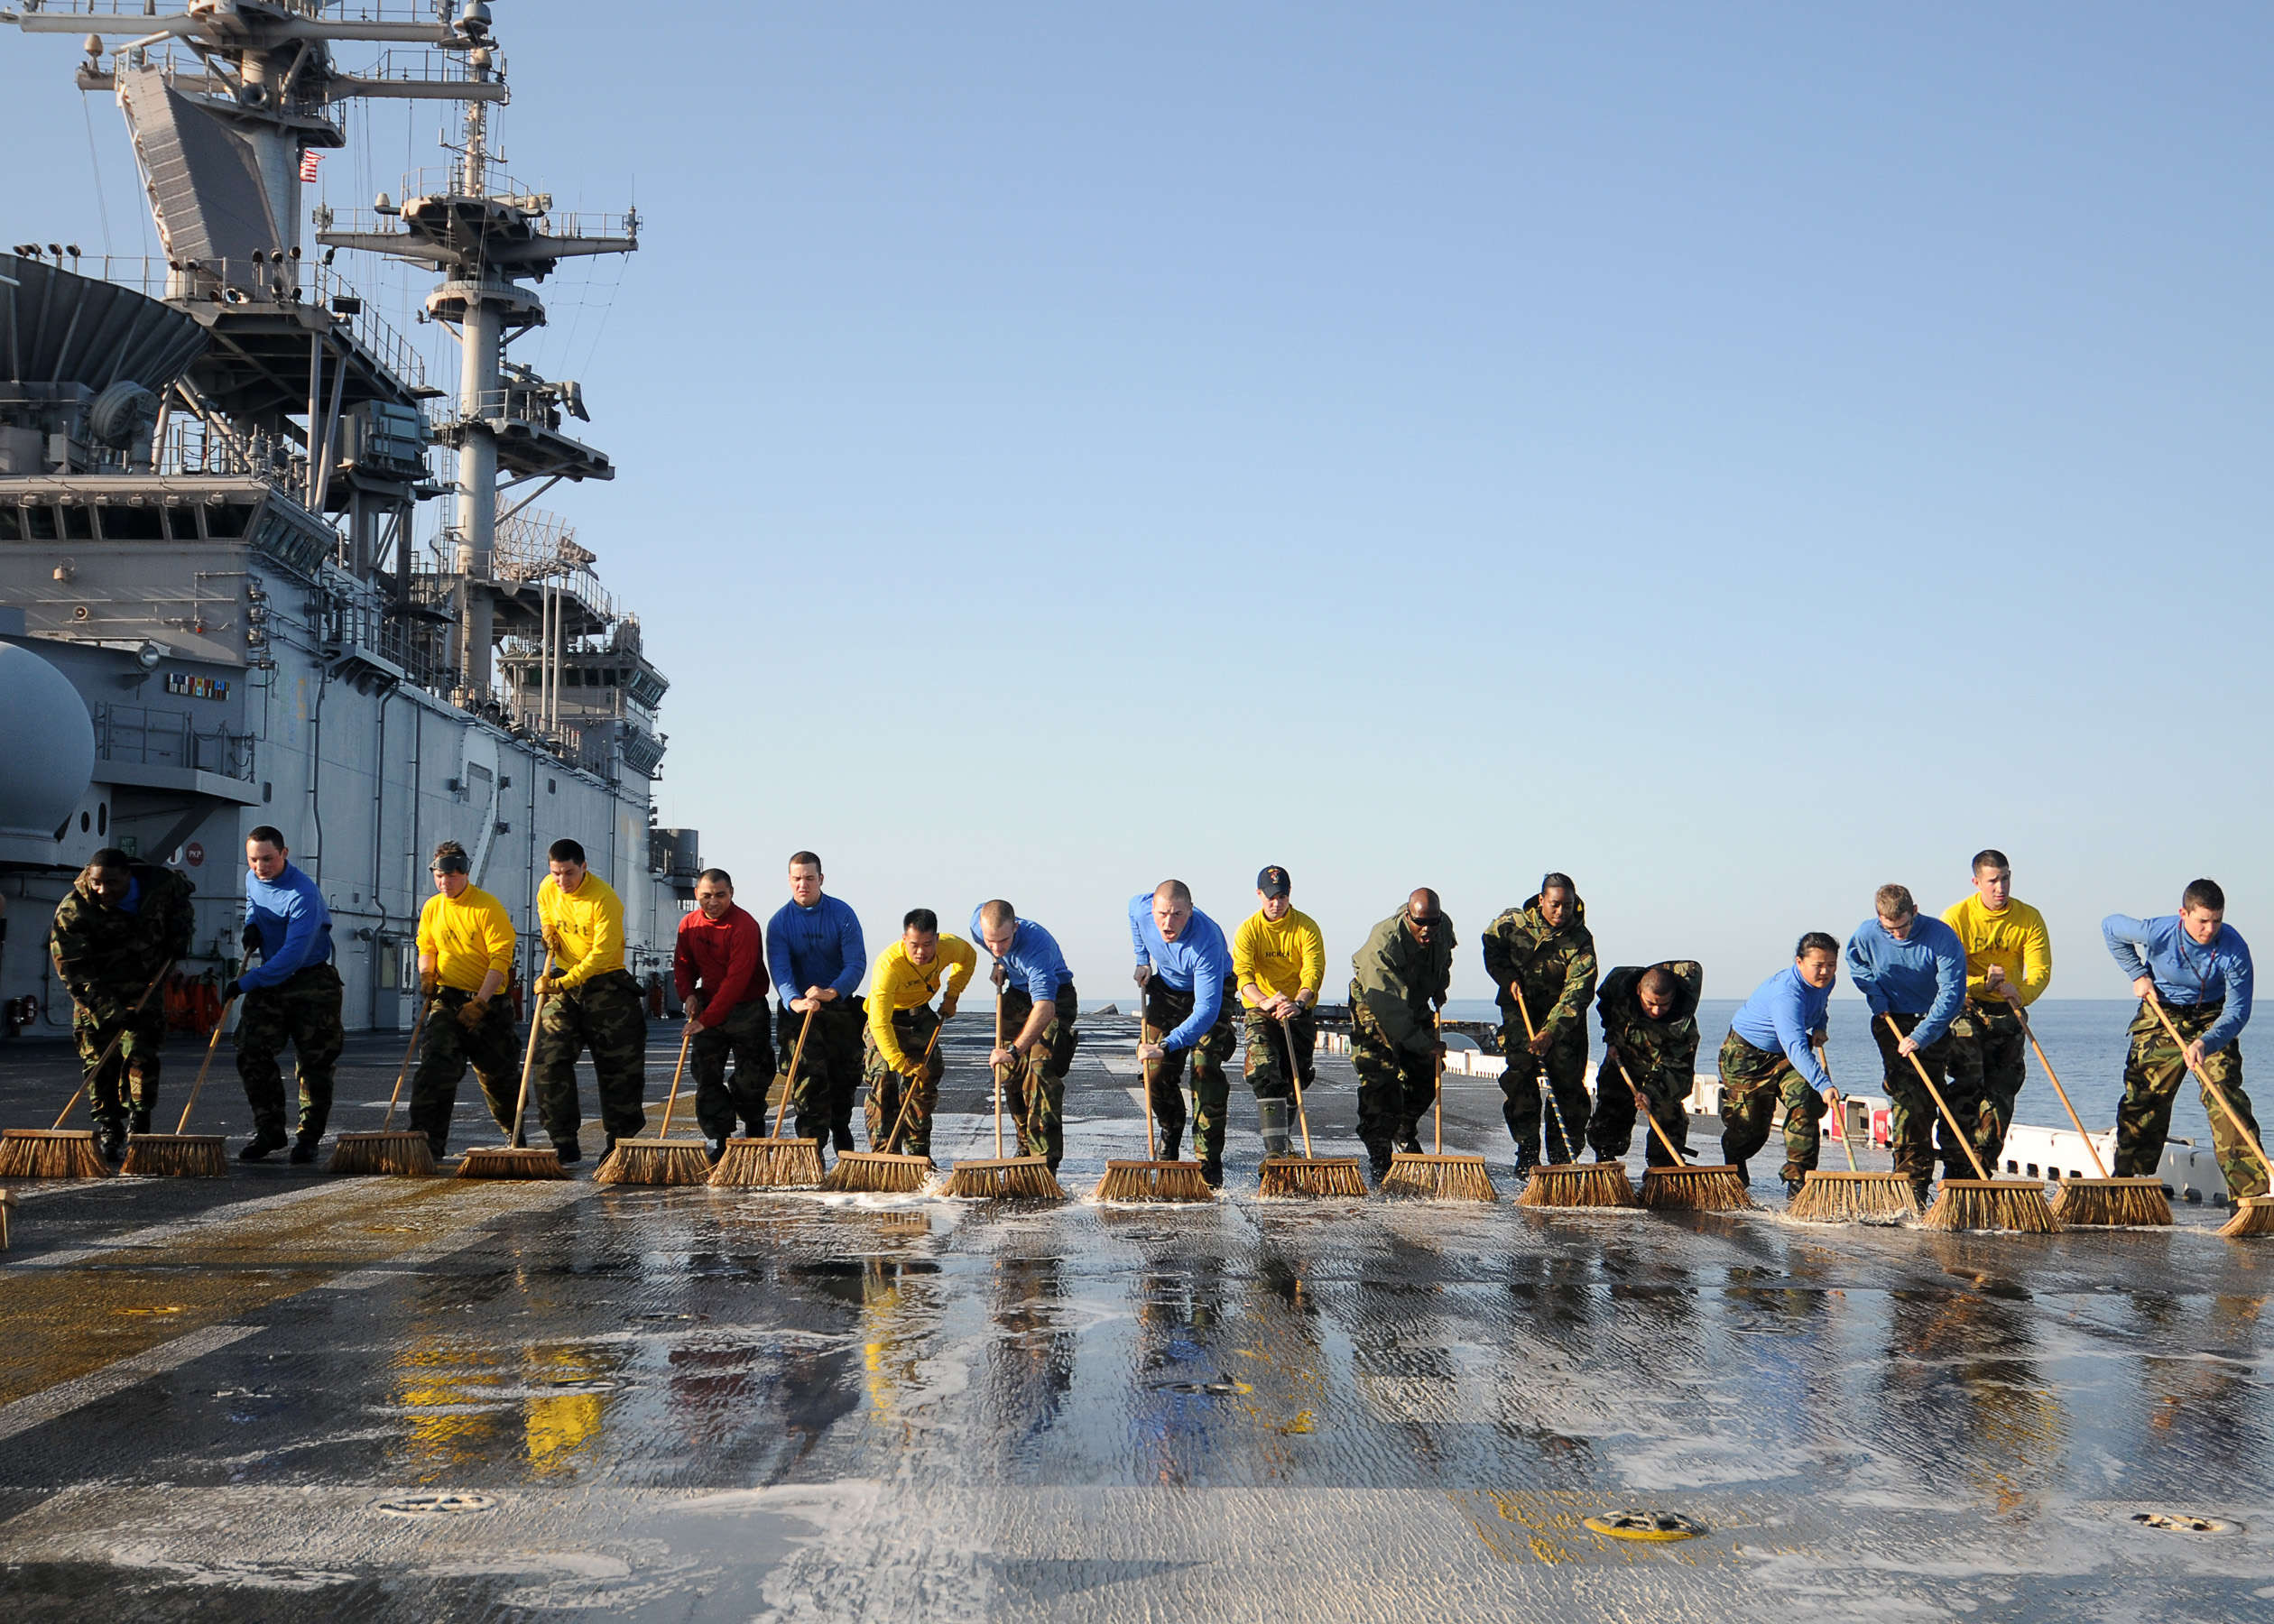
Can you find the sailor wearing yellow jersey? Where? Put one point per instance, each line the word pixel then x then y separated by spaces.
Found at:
pixel 1278 958
pixel 466 956
pixel 896 1052
pixel 2009 965
pixel 592 1002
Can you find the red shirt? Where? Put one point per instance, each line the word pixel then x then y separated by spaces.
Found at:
pixel 726 957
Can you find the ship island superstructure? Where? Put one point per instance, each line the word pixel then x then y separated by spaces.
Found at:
pixel 216 611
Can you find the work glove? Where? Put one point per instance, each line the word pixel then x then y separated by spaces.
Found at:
pixel 430 982
pixel 545 984
pixel 232 990
pixel 947 1009
pixel 471 1012
pixel 251 938
pixel 913 1069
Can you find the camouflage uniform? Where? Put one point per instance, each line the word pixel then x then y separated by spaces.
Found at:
pixel 303 1010
pixel 1268 1042
pixel 492 1049
pixel 1660 1057
pixel 1919 1132
pixel 828 1072
pixel 1034 1091
pixel 107 958
pixel 913 1029
pixel 1753 1082
pixel 1986 1070
pixel 1397 987
pixel 1166 1008
pixel 744 1036
pixel 608 1015
pixel 2152 1074
pixel 1555 966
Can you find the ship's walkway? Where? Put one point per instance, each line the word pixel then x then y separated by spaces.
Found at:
pixel 282 1395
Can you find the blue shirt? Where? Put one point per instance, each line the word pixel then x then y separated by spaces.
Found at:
pixel 1780 1015
pixel 816 946
pixel 1033 958
pixel 1198 962
pixel 1925 973
pixel 295 926
pixel 2186 973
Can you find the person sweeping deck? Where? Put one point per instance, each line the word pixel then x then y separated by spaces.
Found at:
pixel 1279 961
pixel 1038 1010
pixel 1650 1028
pixel 718 963
pixel 1912 971
pixel 1541 958
pixel 899 1061
pixel 1398 981
pixel 466 944
pixel 817 957
pixel 293 995
pixel 1770 1057
pixel 2008 966
pixel 118 929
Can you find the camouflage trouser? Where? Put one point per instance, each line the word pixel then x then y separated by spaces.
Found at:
pixel 1034 1092
pixel 1611 1131
pixel 305 1013
pixel 1986 1069
pixel 1920 1134
pixel 608 1016
pixel 746 1036
pixel 828 1072
pixel 130 1077
pixel 1753 1082
pixel 492 1049
pixel 1167 1009
pixel 1268 1042
pixel 2152 1074
pixel 912 1028
pixel 1563 1070
pixel 1396 1085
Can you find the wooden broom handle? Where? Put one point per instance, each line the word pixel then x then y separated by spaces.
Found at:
pixel 1935 1094
pixel 112 1048
pixel 528 1056
pixel 2209 1087
pixel 1643 1105
pixel 426 1007
pixel 2091 1150
pixel 1838 1105
pixel 908 1093
pixel 687 1036
pixel 790 1082
pixel 206 1066
pixel 1437 1066
pixel 998 1079
pixel 1295 1081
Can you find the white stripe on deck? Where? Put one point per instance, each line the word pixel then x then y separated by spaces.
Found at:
pixel 39 1408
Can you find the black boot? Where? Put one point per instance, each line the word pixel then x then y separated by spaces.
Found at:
pixel 304 1149
pixel 1212 1169
pixel 841 1139
pixel 713 1149
pixel 569 1151
pixel 264 1140
pixel 111 1140
pixel 140 1123
pixel 438 1143
pixel 1792 1188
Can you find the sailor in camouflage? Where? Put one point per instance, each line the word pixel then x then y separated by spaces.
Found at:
pixel 1034 1025
pixel 2009 965
pixel 1544 948
pixel 116 933
pixel 1771 1058
pixel 587 1002
pixel 466 943
pixel 1649 1036
pixel 1399 983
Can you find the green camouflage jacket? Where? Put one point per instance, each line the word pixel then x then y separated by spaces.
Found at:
pixel 1557 966
pixel 106 956
pixel 1398 980
pixel 1646 1046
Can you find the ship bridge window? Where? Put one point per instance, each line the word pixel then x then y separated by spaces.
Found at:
pixel 79 524
pixel 132 525
pixel 229 521
pixel 11 524
pixel 39 524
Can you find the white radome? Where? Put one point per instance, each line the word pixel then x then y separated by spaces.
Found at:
pixel 47 741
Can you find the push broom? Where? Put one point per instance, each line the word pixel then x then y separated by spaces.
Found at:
pixel 183 1154
pixel 1981 1202
pixel 1684 1186
pixel 56 1151
pixel 1007 1177
pixel 1438 1176
pixel 1572 1184
pixel 1151 1179
pixel 658 1161
pixel 774 1163
pixel 1851 1197
pixel 2254 1214
pixel 1309 1174
pixel 885 1172
pixel 2104 1202
pixel 513 1160
pixel 389 1149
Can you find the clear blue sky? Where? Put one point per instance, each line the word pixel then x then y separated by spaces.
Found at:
pixel 1736 455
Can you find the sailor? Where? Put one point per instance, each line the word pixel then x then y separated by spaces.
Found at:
pixel 1398 981
pixel 1915 971
pixel 813 947
pixel 1650 1039
pixel 1545 950
pixel 466 958
pixel 896 1052
pixel 1279 960
pixel 719 963
pixel 1039 1011
pixel 1189 994
pixel 2009 965
pixel 1770 1057
pixel 122 926
pixel 588 1000
pixel 292 995
pixel 2198 967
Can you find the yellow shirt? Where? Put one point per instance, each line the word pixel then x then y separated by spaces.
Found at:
pixel 899 984
pixel 2014 938
pixel 1281 957
pixel 468 937
pixel 590 926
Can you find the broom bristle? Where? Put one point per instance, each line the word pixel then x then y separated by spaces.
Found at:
pixel 2253 1215
pixel 1991 1203
pixel 1321 1176
pixel 1695 1189
pixel 50 1153
pixel 1438 1178
pixel 176 1156
pixel 1579 1184
pixel 769 1164
pixel 499 1161
pixel 2111 1204
pixel 1153 1181
pixel 878 1172
pixel 1853 1197
pixel 639 1161
pixel 406 1154
pixel 1009 1178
